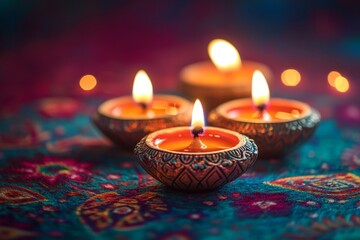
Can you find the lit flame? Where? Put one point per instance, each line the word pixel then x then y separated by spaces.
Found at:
pixel 142 89
pixel 197 119
pixel 260 90
pixel 224 55
pixel 87 82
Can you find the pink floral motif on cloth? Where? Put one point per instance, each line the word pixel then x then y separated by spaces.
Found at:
pixel 258 204
pixel 50 171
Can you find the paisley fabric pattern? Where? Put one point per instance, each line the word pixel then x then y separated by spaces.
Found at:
pixel 18 195
pixel 110 209
pixel 60 178
pixel 336 185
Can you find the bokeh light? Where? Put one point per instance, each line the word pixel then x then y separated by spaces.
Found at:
pixel 341 84
pixel 290 77
pixel 87 82
pixel 332 77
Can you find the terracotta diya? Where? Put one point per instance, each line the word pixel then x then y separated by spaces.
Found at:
pixel 277 125
pixel 196 158
pixel 225 77
pixel 125 120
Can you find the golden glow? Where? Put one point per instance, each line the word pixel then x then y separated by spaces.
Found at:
pixel 87 82
pixel 197 119
pixel 260 90
pixel 290 77
pixel 332 77
pixel 341 84
pixel 142 89
pixel 224 55
pixel 286 116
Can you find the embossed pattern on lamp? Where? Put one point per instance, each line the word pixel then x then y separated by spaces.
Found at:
pixel 277 125
pixel 196 159
pixel 125 120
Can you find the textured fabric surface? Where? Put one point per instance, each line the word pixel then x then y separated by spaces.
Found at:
pixel 60 178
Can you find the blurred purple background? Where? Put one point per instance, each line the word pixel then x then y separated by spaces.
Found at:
pixel 47 46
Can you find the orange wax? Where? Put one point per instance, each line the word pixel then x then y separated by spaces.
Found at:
pixel 206 74
pixel 278 110
pixel 126 108
pixel 204 81
pixel 179 139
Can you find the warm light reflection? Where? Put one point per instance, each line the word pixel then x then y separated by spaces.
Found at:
pixel 161 106
pixel 341 84
pixel 287 116
pixel 159 141
pixel 224 55
pixel 87 82
pixel 260 90
pixel 290 77
pixel 197 119
pixel 332 77
pixel 142 89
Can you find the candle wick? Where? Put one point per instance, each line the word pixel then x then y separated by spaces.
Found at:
pixel 196 145
pixel 261 108
pixel 196 131
pixel 143 106
pixel 262 114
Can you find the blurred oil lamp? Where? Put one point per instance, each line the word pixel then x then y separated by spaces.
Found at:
pixel 196 158
pixel 224 78
pixel 125 120
pixel 277 125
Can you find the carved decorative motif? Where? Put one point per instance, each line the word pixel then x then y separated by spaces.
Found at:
pixel 273 139
pixel 197 171
pixel 128 132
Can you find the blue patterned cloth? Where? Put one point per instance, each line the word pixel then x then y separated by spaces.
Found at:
pixel 59 178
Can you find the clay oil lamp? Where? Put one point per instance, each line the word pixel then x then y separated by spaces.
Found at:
pixel 225 77
pixel 277 125
pixel 196 158
pixel 125 120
